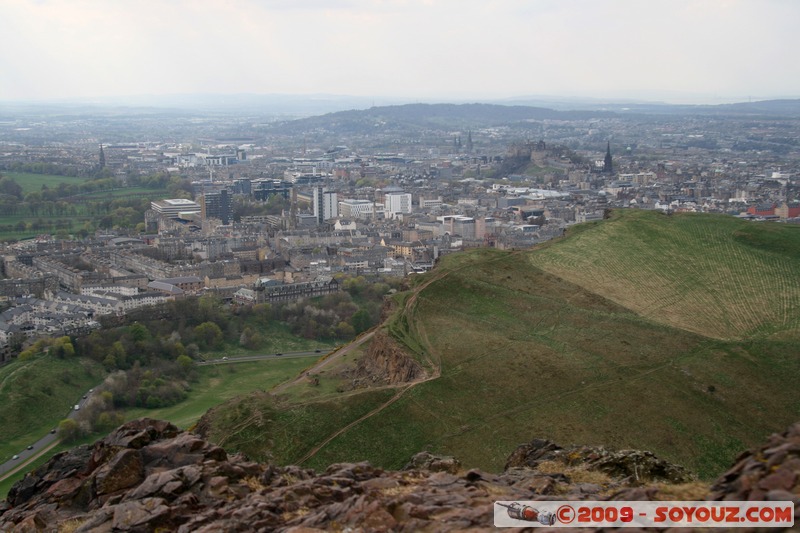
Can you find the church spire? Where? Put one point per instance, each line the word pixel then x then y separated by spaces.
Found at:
pixel 607 163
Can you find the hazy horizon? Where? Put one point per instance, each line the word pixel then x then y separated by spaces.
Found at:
pixel 672 51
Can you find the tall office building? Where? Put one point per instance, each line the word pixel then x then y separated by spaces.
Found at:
pixel 397 203
pixel 218 204
pixel 326 205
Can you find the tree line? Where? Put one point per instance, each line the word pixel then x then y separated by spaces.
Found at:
pixel 151 357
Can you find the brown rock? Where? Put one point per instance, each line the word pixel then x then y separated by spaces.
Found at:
pixel 216 494
pixel 531 454
pixel 143 515
pixel 124 470
pixel 433 463
pixel 386 362
pixel 781 479
pixel 379 520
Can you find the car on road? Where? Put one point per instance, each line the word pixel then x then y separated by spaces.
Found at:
pixel 317 351
pixel 15 458
pixel 77 407
pixel 53 430
pixel 278 354
pixel 224 358
pixel 30 447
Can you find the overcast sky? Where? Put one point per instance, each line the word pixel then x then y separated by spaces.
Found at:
pixel 671 50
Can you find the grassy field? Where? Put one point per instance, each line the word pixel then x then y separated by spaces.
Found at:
pixel 215 384
pixel 616 335
pixel 139 192
pixel 38 393
pixel 33 182
pixel 219 383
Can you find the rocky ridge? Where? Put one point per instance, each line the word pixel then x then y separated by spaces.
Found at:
pixel 149 476
pixel 386 363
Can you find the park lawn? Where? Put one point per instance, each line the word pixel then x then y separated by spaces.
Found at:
pixel 219 383
pixel 215 384
pixel 277 339
pixel 143 192
pixel 33 182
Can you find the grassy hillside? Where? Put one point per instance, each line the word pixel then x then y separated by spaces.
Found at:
pixel 714 275
pixel 38 393
pixel 26 381
pixel 674 334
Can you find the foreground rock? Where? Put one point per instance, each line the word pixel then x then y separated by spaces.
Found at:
pixel 148 476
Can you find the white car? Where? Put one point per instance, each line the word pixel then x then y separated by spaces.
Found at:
pixel 77 407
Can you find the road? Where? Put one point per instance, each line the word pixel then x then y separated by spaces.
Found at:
pixel 40 447
pixel 246 358
pixel 25 457
pixel 332 356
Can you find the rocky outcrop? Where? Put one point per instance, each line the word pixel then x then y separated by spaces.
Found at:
pixel 386 363
pixel 148 476
pixel 771 472
pixel 633 467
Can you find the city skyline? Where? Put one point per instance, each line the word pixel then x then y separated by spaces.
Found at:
pixel 680 51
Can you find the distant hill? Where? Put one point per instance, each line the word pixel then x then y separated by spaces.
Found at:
pixel 410 118
pixel 428 116
pixel 676 334
pixel 787 108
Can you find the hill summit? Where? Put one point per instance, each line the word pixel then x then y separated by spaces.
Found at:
pixel 671 333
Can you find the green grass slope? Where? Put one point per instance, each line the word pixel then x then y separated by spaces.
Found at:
pixel 714 275
pixel 38 393
pixel 617 335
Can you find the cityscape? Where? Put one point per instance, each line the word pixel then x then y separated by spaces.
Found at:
pixel 254 209
pixel 399 265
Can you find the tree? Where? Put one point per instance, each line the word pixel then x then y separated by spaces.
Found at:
pixel 361 321
pixel 185 362
pixel 68 430
pixel 208 335
pixel 108 420
pixel 138 332
pixel 116 357
pixel 250 339
pixel 62 347
pixel 10 187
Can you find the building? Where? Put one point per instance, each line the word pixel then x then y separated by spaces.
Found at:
pixel 608 166
pixel 356 209
pixel 263 190
pixel 326 205
pixel 397 203
pixel 458 225
pixel 272 292
pixel 219 205
pixel 172 208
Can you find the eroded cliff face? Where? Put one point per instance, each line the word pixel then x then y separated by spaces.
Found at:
pixel 149 476
pixel 386 363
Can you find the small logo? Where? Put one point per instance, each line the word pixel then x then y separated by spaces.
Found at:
pixel 517 511
pixel 565 514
